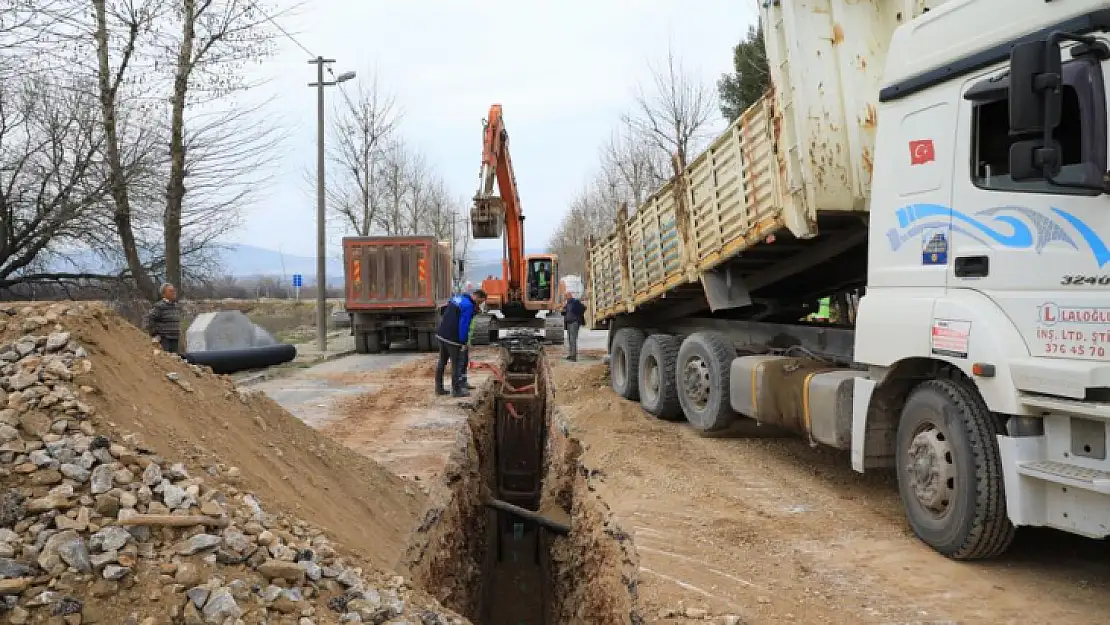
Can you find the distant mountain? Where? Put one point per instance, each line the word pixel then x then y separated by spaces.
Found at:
pixel 242 260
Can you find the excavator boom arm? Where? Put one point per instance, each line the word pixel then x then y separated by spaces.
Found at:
pixel 491 211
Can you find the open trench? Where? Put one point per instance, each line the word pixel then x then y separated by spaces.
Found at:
pixel 518 536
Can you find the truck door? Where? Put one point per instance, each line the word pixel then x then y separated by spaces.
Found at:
pixel 1037 250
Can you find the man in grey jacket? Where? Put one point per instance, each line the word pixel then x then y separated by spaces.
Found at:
pixel 163 322
pixel 574 315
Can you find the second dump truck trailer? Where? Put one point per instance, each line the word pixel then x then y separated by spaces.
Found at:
pixel 394 288
pixel 937 169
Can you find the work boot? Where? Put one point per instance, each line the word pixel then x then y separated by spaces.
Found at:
pixel 441 391
pixel 461 393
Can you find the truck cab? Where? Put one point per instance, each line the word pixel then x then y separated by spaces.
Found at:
pixel 987 270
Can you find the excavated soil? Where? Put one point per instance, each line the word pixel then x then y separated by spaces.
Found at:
pixel 772 530
pixel 588 576
pixel 205 421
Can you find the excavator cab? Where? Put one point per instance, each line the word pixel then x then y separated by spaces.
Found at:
pixel 541 279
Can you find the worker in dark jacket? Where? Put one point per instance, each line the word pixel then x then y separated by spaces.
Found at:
pixel 453 335
pixel 574 315
pixel 163 322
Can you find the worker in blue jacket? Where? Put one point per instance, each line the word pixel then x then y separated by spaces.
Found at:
pixel 453 334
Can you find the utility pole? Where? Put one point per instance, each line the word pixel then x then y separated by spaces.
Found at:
pixel 321 234
pixel 454 261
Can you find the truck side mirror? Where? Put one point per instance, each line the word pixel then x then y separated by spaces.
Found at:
pixel 1033 160
pixel 1036 76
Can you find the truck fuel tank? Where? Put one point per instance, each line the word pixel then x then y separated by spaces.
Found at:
pixel 803 395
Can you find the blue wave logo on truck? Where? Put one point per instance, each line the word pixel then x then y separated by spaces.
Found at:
pixel 1013 227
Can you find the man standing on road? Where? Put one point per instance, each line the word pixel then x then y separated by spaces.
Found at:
pixel 453 335
pixel 163 321
pixel 466 352
pixel 574 315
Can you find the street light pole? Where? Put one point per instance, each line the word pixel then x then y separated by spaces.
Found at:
pixel 321 238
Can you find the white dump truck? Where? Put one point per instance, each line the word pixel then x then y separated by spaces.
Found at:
pixel 938 170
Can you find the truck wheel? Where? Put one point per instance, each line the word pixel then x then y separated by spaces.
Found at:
pixel 424 341
pixel 658 394
pixel 373 343
pixel 702 377
pixel 950 472
pixel 624 362
pixel 360 343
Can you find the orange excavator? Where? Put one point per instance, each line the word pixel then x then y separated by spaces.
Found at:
pixel 529 284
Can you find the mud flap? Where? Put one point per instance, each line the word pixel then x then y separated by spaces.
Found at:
pixel 861 403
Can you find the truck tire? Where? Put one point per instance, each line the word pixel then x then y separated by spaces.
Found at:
pixel 424 341
pixel 702 375
pixel 658 394
pixel 373 342
pixel 624 362
pixel 950 472
pixel 360 343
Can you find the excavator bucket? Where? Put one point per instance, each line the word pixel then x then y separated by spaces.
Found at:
pixel 487 217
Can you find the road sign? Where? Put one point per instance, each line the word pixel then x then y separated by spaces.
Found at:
pixel 298 282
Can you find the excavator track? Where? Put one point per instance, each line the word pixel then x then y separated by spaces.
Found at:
pixel 485 330
pixel 554 330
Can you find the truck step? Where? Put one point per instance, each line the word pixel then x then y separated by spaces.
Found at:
pixel 1068 475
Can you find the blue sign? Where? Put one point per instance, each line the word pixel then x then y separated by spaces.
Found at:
pixel 934 247
pixel 298 280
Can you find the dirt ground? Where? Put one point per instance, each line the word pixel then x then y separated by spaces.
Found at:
pixel 774 531
pixel 399 421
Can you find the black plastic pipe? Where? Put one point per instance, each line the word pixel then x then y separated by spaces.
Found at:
pixel 561 529
pixel 233 360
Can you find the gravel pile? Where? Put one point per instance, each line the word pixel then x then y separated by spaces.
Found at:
pixel 97 528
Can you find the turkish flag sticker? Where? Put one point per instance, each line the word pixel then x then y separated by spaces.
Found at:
pixel 922 152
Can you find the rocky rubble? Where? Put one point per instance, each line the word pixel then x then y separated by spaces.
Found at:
pixel 96 528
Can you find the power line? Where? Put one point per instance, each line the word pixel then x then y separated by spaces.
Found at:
pixel 281 28
pixel 304 48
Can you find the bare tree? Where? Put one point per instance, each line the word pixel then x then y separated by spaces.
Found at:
pixel 395 186
pixel 49 141
pixel 216 37
pixel 592 214
pixel 421 183
pixel 228 160
pixel 636 161
pixel 361 129
pixel 675 113
pixel 136 20
pixel 26 25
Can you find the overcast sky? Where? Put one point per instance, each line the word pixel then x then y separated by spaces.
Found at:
pixel 564 72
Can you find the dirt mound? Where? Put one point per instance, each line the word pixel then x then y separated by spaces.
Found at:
pixel 202 419
pixel 97 526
